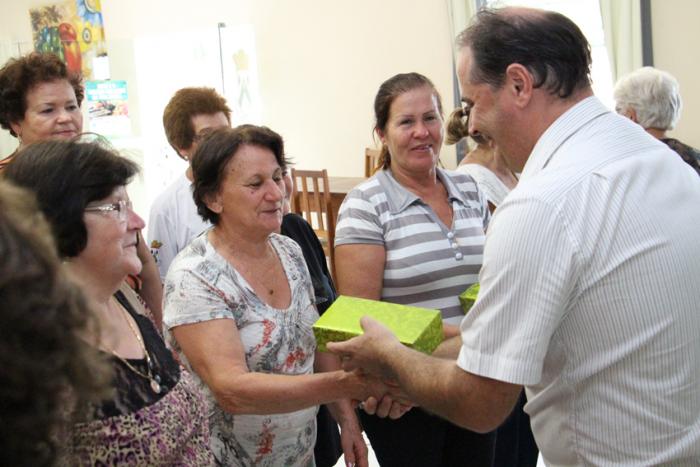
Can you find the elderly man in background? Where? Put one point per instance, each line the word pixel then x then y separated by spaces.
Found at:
pixel 589 281
pixel 652 98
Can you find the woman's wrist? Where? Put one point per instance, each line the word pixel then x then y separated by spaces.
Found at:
pixel 344 414
pixel 353 386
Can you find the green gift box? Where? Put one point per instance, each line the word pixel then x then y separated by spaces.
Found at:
pixel 418 328
pixel 468 297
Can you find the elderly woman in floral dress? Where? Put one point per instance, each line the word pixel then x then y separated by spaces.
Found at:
pixel 239 306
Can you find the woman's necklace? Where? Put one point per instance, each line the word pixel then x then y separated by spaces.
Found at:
pixel 252 275
pixel 270 289
pixel 262 270
pixel 154 379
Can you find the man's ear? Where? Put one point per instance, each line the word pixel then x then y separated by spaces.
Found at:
pixel 520 83
pixel 632 115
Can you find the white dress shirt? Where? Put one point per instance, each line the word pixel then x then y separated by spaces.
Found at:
pixel 590 295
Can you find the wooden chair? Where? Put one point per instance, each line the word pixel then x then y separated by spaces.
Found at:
pixel 371 161
pixel 312 201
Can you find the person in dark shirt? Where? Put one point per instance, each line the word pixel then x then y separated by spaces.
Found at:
pixel 327 450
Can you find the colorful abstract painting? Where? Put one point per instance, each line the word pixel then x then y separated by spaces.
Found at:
pixel 74 31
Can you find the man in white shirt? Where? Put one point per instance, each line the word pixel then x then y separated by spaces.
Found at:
pixel 190 115
pixel 589 294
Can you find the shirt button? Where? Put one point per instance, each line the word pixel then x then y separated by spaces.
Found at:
pixel 458 256
pixel 450 235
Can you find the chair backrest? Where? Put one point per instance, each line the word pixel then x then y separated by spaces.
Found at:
pixel 371 161
pixel 312 201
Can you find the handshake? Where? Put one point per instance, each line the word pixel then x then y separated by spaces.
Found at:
pixel 367 361
pixel 372 356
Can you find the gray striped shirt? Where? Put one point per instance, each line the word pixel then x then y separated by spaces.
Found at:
pixel 428 264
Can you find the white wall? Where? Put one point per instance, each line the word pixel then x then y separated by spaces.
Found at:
pixel 320 75
pixel 320 62
pixel 676 36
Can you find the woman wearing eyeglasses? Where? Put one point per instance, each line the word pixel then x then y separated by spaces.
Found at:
pixel 40 101
pixel 156 415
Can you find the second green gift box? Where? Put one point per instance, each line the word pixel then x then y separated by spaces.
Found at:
pixel 468 297
pixel 418 328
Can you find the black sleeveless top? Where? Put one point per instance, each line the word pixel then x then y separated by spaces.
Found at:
pixel 133 391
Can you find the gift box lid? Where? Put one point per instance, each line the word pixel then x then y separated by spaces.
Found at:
pixel 419 328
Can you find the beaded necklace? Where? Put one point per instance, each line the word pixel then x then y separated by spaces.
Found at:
pixel 153 378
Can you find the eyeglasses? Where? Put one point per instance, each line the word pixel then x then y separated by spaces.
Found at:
pixel 121 206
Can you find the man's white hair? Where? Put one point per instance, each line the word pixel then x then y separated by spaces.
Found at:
pixel 653 94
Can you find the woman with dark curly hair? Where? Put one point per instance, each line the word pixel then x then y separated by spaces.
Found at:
pixel 156 415
pixel 45 361
pixel 39 99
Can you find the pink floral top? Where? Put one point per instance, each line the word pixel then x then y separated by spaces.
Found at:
pixel 201 285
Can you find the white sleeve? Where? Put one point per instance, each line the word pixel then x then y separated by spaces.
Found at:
pixel 530 267
pixel 486 212
pixel 162 238
pixel 188 297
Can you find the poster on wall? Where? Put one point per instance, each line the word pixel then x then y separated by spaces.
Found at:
pixel 223 58
pixel 240 73
pixel 107 107
pixel 73 30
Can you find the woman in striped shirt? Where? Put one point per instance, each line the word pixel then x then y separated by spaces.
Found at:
pixel 414 234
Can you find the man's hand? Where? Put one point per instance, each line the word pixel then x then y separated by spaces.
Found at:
pixel 386 407
pixel 381 397
pixel 369 350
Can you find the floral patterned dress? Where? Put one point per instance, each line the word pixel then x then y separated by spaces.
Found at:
pixel 201 285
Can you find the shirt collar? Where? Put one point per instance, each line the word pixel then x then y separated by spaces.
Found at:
pixel 561 130
pixel 399 198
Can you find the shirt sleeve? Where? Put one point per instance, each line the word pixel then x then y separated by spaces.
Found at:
pixel 486 212
pixel 529 273
pixel 161 239
pixel 358 221
pixel 189 298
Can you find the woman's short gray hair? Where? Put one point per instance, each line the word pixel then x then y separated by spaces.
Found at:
pixel 653 94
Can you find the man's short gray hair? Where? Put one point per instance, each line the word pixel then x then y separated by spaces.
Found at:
pixel 653 94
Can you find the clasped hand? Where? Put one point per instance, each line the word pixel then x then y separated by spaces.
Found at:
pixel 366 355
